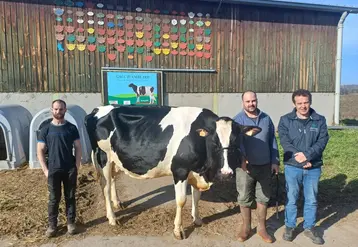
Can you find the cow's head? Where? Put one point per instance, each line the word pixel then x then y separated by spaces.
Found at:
pixel 223 147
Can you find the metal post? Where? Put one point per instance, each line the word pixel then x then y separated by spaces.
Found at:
pixel 338 67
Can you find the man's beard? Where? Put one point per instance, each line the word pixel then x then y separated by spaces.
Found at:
pixel 251 109
pixel 58 116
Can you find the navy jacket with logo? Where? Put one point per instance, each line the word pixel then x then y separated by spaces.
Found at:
pixel 310 138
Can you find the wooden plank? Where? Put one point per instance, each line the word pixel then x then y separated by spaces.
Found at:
pixel 218 55
pixel 33 17
pixel 236 52
pixel 3 51
pixel 66 65
pixel 51 54
pixel 39 64
pixel 21 46
pixel 91 71
pixel 242 53
pixel 9 50
pixel 82 68
pixel 15 46
pixel 226 61
pixel 78 60
pixel 43 49
pixel 60 61
pixel 27 47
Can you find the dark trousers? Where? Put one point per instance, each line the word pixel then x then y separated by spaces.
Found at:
pixel 55 181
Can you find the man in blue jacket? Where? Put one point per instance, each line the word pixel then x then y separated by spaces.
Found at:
pixel 253 179
pixel 303 135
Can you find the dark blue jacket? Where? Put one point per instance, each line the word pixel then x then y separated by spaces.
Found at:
pixel 260 149
pixel 310 138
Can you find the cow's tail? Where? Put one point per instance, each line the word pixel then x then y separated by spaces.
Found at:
pixel 91 124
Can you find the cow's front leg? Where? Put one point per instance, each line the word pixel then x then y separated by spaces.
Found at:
pixel 194 206
pixel 180 197
pixel 137 99
pixel 107 172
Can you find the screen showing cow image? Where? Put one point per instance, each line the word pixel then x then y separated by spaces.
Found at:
pixel 132 88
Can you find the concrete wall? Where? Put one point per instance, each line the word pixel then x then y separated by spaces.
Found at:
pixel 223 104
pixel 35 102
pixel 274 104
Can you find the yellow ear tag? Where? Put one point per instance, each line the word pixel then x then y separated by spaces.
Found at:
pixel 250 132
pixel 202 133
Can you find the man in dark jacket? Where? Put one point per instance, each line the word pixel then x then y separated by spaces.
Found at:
pixel 303 135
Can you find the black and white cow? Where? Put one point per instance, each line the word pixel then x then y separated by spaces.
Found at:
pixel 191 144
pixel 143 91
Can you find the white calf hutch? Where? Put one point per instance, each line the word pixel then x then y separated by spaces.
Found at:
pixel 14 136
pixel 75 115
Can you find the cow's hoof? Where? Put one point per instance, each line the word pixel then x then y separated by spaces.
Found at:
pixel 198 222
pixel 112 222
pixel 118 205
pixel 180 235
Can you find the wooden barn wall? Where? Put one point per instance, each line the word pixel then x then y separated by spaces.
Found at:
pixel 254 48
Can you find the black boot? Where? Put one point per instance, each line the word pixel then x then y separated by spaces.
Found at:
pixel 313 235
pixel 288 234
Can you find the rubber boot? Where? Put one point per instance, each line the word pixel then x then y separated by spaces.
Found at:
pixel 246 225
pixel 261 228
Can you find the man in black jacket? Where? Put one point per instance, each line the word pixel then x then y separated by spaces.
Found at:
pixel 303 135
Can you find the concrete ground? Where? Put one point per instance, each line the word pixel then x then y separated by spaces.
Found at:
pixel 343 236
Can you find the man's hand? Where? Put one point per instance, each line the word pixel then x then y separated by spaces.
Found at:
pixel 78 153
pixel 274 169
pixel 41 147
pixel 308 165
pixel 300 157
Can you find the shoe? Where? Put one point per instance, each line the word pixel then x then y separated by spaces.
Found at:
pixel 288 234
pixel 51 232
pixel 313 235
pixel 265 236
pixel 71 229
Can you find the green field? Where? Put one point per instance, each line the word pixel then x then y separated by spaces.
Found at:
pixel 126 98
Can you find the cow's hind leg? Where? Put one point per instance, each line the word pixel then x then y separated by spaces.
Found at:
pixel 107 184
pixel 180 197
pixel 194 206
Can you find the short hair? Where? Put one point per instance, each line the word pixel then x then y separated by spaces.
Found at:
pixel 248 91
pixel 60 101
pixel 302 92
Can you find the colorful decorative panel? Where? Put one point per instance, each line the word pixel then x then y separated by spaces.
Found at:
pixel 131 33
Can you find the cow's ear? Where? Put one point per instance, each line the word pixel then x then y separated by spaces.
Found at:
pixel 202 132
pixel 250 130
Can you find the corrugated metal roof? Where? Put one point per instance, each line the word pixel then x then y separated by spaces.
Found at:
pixel 291 5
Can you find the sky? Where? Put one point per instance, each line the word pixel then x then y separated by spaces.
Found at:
pixel 350 40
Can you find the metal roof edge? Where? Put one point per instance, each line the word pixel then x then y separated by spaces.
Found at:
pixel 291 5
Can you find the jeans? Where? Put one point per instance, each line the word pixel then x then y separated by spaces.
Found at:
pixel 55 180
pixel 295 178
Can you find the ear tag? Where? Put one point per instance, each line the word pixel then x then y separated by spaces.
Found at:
pixel 250 132
pixel 202 133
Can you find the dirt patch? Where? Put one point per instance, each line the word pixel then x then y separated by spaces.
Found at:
pixel 150 209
